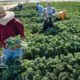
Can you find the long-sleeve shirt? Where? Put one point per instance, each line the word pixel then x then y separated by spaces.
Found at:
pixel 11 29
pixel 50 11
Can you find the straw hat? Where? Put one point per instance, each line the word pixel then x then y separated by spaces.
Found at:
pixel 2 12
pixel 5 16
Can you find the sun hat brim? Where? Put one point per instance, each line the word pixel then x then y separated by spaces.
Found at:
pixel 6 14
pixel 2 14
pixel 2 11
pixel 9 15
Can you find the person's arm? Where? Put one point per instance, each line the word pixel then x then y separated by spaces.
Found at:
pixel 20 28
pixel 54 10
pixel 44 12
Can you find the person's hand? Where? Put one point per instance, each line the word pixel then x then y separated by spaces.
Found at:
pixel 22 37
pixel 6 45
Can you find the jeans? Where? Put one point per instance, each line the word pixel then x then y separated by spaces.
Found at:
pixel 12 54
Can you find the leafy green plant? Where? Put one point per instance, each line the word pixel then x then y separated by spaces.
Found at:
pixel 55 54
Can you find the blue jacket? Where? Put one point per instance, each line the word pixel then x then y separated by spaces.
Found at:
pixel 40 9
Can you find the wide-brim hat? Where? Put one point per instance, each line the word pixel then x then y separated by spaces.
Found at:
pixel 2 12
pixel 5 16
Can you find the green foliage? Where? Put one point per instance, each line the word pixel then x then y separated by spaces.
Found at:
pixel 54 54
pixel 49 46
pixel 11 72
pixel 53 68
pixel 63 38
pixel 35 28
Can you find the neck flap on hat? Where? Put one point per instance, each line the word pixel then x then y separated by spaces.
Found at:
pixel 9 16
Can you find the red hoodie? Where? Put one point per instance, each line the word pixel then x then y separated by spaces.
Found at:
pixel 11 29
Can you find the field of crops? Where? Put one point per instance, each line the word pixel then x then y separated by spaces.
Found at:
pixel 54 54
pixel 7 3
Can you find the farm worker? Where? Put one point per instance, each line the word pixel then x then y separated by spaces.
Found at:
pixel 40 9
pixel 62 14
pixel 10 27
pixel 20 6
pixel 37 4
pixel 47 23
pixel 49 10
